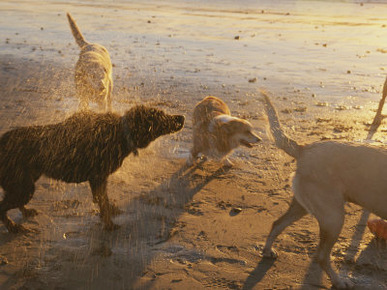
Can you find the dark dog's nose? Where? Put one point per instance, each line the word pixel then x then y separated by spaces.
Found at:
pixel 179 119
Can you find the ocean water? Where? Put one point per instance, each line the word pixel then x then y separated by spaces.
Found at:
pixel 331 50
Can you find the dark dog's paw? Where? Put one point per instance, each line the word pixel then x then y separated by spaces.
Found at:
pixel 27 213
pixel 17 229
pixel 343 283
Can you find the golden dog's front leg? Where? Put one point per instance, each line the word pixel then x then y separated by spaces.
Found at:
pixel 98 189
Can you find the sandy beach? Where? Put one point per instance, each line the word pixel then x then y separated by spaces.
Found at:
pixel 324 64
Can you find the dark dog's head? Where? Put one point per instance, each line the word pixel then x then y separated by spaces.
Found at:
pixel 145 124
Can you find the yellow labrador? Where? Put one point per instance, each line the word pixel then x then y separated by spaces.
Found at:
pixel 328 175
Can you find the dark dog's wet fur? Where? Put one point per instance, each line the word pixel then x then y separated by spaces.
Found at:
pixel 85 147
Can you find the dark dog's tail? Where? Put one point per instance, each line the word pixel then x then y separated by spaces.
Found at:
pixel 281 140
pixel 76 32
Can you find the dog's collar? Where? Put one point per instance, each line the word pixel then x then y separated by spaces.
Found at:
pixel 128 136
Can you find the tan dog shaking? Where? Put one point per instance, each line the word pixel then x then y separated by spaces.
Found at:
pixel 93 72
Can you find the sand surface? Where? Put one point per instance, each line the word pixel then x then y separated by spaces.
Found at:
pixel 204 226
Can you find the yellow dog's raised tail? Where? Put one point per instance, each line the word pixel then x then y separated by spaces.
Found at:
pixel 76 32
pixel 282 141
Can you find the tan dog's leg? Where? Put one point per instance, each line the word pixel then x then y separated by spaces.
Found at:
pixel 98 189
pixel 83 99
pixel 294 213
pixel 327 205
pixel 328 237
pixel 330 223
pixel 328 209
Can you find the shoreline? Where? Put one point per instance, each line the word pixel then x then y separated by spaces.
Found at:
pixel 332 55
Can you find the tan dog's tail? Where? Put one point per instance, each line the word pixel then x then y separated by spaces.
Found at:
pixel 281 140
pixel 76 32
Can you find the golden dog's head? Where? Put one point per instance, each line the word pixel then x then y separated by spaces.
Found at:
pixel 236 131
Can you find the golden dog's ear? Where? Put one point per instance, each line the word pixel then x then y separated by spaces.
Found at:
pixel 230 126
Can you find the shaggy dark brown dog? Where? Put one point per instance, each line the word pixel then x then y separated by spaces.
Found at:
pixel 85 147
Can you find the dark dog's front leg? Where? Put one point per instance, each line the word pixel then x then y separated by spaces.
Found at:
pixel 98 189
pixel 10 225
pixel 28 212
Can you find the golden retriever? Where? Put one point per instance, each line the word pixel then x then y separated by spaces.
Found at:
pixel 216 133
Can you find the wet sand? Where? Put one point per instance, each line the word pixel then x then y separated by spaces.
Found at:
pixel 199 227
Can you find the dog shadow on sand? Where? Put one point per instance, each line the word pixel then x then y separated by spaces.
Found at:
pixel 365 267
pixel 98 259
